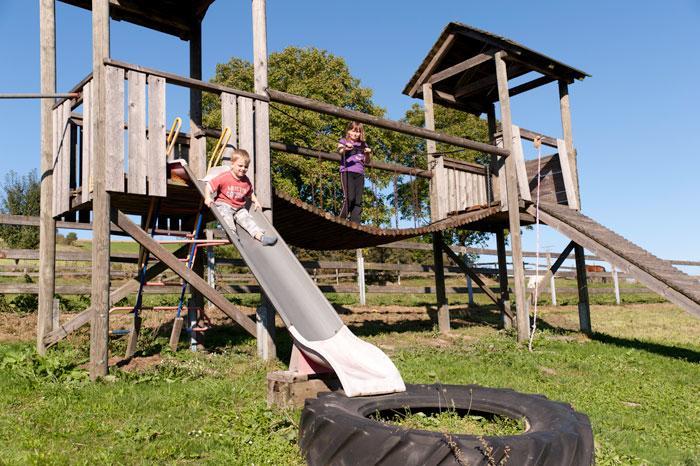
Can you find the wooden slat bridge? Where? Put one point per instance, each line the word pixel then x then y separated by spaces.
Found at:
pixel 657 274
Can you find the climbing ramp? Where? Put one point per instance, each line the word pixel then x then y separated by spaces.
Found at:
pixel 657 274
pixel 362 368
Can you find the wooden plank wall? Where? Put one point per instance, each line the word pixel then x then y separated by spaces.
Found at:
pixel 114 122
pixel 228 120
pixel 464 189
pixel 246 134
pixel 86 157
pixel 551 182
pixel 156 159
pixel 137 133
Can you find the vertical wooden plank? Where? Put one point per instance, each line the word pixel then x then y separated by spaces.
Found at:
pixel 55 138
pixel 468 180
pixel 435 164
pixel 246 131
pixel 156 158
pixel 198 145
pixel 470 290
pixel 67 144
pixel 523 182
pixel 567 175
pixel 463 190
pixel 85 163
pixel 501 169
pixel 522 319
pixel 565 108
pixel 114 180
pixel 451 190
pixel 584 311
pixel 137 133
pixel 47 224
pixel 494 162
pixel 99 330
pixel 506 321
pixel 228 120
pixel 442 304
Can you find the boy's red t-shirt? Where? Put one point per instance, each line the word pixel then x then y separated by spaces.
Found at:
pixel 230 190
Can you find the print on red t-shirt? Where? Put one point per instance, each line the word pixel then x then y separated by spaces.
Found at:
pixel 230 190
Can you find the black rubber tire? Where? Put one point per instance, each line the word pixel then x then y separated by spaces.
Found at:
pixel 335 429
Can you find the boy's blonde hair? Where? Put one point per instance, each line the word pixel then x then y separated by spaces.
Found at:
pixel 240 154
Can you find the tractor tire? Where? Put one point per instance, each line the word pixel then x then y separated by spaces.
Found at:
pixel 337 430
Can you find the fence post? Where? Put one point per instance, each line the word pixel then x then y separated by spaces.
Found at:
pixel 470 290
pixel 616 284
pixel 361 277
pixel 552 281
pixel 56 314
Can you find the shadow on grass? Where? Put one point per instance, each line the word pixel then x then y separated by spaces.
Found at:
pixel 668 351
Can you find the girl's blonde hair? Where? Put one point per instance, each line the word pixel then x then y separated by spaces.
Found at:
pixel 357 126
pixel 240 154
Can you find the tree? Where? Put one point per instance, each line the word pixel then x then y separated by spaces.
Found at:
pixel 20 196
pixel 319 75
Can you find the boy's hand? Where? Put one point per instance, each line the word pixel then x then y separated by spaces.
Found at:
pixel 207 202
pixel 256 205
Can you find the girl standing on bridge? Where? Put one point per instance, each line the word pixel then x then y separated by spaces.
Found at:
pixel 354 155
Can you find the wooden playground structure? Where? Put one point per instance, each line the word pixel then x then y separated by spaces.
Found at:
pixel 101 165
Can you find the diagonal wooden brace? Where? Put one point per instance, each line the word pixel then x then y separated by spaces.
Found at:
pixel 120 293
pixel 543 285
pixel 475 277
pixel 197 282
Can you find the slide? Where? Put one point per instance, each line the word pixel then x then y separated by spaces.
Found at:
pixel 362 368
pixel 657 274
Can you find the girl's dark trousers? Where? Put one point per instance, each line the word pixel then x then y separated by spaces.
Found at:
pixel 353 186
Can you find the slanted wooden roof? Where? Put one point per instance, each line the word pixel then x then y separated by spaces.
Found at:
pixel 174 17
pixel 461 69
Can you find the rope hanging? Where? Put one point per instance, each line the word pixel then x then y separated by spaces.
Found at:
pixel 538 144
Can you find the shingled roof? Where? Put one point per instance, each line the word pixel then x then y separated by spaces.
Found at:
pixel 461 69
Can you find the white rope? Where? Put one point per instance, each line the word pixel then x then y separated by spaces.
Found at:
pixel 538 145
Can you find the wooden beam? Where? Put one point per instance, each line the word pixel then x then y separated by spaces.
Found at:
pixel 435 165
pixel 444 48
pixel 440 293
pixel 99 330
pixel 197 282
pixel 507 317
pixel 528 86
pixel 584 308
pixel 565 108
pixel 468 89
pixel 47 224
pixel 461 67
pixel 333 110
pixel 117 295
pixel 470 273
pixel 198 146
pixel 522 322
pixel 545 280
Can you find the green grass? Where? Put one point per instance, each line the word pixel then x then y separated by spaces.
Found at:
pixel 452 421
pixel 637 378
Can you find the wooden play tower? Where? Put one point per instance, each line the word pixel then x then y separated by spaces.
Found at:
pixel 102 164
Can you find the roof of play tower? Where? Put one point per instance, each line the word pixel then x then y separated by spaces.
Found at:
pixel 176 17
pixel 461 69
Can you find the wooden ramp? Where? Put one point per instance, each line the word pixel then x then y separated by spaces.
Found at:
pixel 309 227
pixel 657 274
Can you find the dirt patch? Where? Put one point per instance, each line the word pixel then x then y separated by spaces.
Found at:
pixel 136 365
pixel 17 327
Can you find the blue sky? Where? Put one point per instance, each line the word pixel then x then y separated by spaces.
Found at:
pixel 635 122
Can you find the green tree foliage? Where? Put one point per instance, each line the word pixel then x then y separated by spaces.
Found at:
pixel 20 196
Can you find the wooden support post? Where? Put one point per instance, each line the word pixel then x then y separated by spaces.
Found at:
pixel 263 180
pixel 522 320
pixel 440 293
pixel 506 312
pixel 552 281
pixel 132 342
pixel 616 284
pixel 56 313
pixel 470 291
pixel 565 108
pixel 47 225
pixel 584 310
pixel 99 330
pixel 438 183
pixel 361 277
pixel 493 163
pixel 198 143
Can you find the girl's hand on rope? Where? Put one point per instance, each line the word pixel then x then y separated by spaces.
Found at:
pixel 368 150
